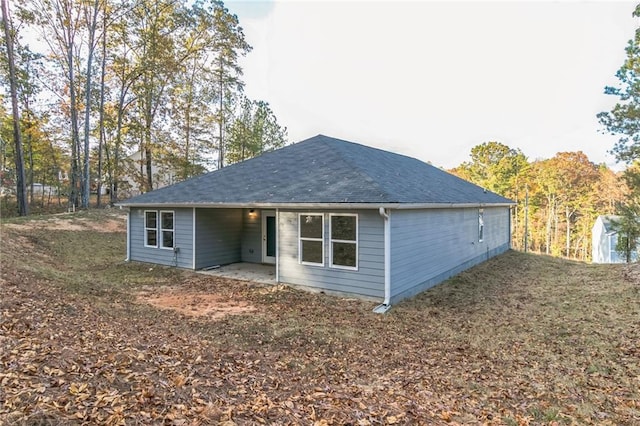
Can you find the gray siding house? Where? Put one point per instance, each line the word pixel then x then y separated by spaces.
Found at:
pixel 330 215
pixel 604 239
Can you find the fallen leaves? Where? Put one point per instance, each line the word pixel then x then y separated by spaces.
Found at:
pixel 524 340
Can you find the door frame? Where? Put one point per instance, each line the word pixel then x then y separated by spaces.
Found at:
pixel 265 214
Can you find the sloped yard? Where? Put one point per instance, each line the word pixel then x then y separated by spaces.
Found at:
pixel 86 338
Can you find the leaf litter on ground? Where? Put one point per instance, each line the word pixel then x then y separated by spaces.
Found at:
pixel 522 339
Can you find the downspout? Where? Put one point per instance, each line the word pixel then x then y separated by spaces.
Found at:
pixel 193 238
pixel 386 304
pixel 128 236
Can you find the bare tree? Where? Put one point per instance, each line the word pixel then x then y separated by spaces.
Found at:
pixel 21 187
pixel 91 17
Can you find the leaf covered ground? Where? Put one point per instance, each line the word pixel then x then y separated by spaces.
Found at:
pixel 521 339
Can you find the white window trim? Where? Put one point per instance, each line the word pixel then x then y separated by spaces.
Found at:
pixel 160 229
pixel 480 225
pixel 331 241
pixel 301 239
pixel 144 218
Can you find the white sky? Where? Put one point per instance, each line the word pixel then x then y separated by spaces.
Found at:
pixel 433 79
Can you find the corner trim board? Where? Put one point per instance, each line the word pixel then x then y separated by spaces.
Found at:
pixel 128 236
pixel 277 245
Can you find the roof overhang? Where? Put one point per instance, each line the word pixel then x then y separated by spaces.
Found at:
pixel 349 206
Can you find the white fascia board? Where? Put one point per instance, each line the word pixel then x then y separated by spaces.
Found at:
pixel 336 206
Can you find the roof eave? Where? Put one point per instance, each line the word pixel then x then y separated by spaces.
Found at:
pixel 264 205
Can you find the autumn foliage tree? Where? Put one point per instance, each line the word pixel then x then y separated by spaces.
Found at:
pixel 254 130
pixel 557 198
pixel 128 88
pixel 624 120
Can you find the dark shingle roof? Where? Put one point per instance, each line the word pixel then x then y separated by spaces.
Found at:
pixel 607 222
pixel 322 170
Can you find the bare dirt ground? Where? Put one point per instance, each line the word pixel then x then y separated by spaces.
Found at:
pixel 193 304
pixel 66 222
pixel 632 273
pixel 86 338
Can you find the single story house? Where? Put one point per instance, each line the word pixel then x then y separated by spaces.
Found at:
pixel 329 214
pixel 604 239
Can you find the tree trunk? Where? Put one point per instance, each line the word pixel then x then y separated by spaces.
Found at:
pixel 146 146
pixel 76 177
pixel 221 122
pixel 186 169
pixel 568 242
pixel 515 238
pixel 21 187
pixel 87 106
pixel 555 226
pixel 115 172
pixel 101 119
pixel 549 222
pixel 147 158
pixel 29 146
pixel 526 220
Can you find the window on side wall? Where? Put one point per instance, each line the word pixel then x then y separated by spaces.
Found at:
pixel 151 229
pixel 167 229
pixel 311 239
pixel 344 241
pixel 480 225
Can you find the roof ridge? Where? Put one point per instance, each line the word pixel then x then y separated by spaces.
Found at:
pixel 361 171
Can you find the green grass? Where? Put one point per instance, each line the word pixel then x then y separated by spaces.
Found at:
pixel 520 339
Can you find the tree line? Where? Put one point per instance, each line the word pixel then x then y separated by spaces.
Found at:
pixel 557 199
pixel 624 120
pixel 111 78
pixel 161 79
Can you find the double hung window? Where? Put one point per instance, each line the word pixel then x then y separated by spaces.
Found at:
pixel 311 239
pixel 167 229
pixel 151 229
pixel 344 241
pixel 159 229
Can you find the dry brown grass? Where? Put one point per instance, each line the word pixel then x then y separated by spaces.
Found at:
pixel 521 339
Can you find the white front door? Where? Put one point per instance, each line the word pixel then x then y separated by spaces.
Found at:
pixel 269 236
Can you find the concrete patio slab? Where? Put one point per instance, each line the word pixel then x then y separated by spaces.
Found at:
pixel 245 271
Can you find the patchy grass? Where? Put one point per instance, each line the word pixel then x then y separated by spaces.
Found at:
pixel 521 339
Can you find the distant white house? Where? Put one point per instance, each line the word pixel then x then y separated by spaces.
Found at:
pixel 42 190
pixel 135 172
pixel 604 239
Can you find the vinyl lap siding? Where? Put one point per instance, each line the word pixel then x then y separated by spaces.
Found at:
pixel 367 281
pixel 429 246
pixel 183 236
pixel 218 236
pixel 599 243
pixel 251 247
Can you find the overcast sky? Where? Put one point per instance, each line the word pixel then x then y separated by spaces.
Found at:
pixel 433 79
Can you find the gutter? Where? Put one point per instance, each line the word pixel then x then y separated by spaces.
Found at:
pixel 317 205
pixel 386 304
